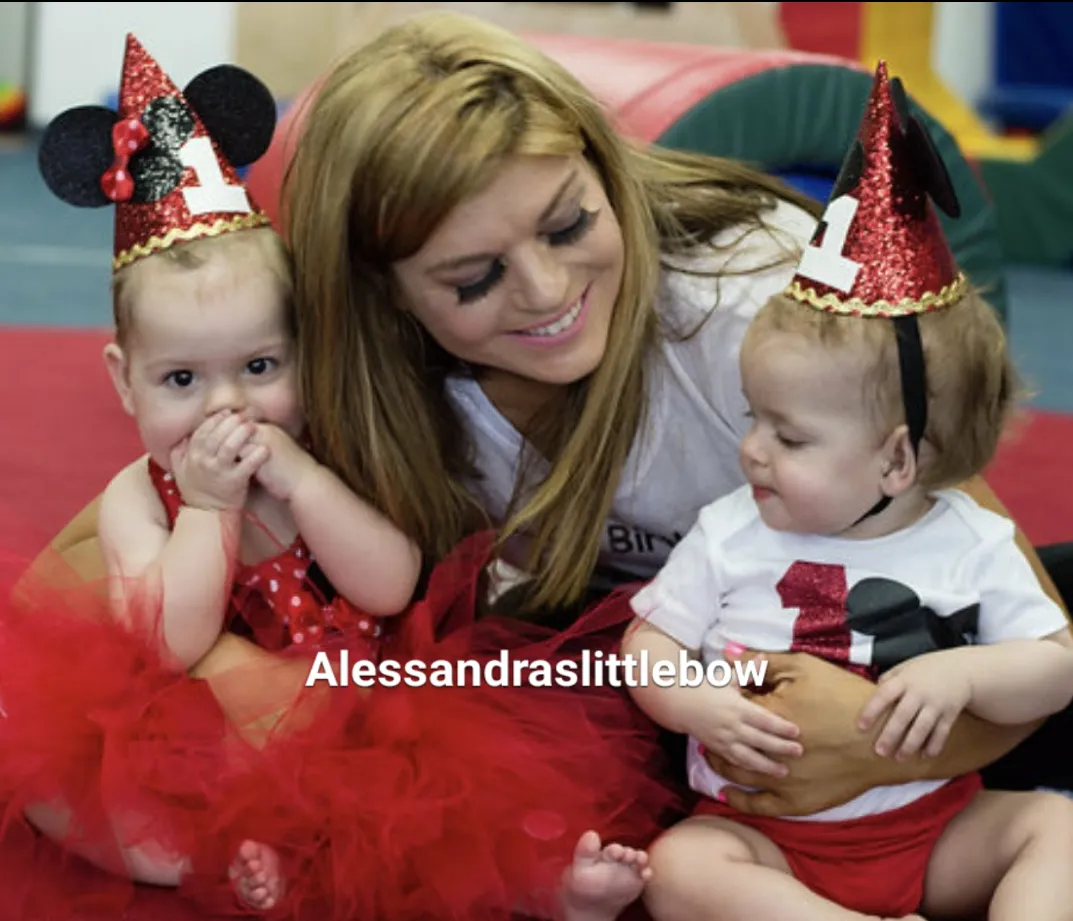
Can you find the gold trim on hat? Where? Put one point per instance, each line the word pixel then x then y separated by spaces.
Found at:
pixel 186 234
pixel 854 306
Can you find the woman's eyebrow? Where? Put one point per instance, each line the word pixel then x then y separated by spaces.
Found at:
pixel 459 262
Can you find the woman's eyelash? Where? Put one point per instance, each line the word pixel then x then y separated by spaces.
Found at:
pixel 478 289
pixel 575 231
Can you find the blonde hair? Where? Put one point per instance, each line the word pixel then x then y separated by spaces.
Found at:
pixel 972 385
pixel 261 245
pixel 402 131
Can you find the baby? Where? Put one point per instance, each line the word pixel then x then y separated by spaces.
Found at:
pixel 877 382
pixel 228 521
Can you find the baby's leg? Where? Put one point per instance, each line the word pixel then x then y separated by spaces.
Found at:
pixel 255 710
pixel 1006 857
pixel 712 869
pixel 597 886
pixel 260 693
pixel 143 863
pixel 602 881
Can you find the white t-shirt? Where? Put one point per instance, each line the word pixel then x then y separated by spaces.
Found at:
pixel 954 577
pixel 687 454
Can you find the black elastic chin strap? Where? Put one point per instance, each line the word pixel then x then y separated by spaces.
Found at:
pixel 914 391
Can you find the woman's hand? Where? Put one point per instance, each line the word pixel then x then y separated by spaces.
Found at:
pixel 839 761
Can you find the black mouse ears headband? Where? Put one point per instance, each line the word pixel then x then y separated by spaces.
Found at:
pixel 166 159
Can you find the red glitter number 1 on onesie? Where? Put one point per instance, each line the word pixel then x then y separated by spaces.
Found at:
pixel 819 592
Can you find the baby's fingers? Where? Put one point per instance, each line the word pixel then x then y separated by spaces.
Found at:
pixel 770 744
pixel 886 695
pixel 743 756
pixel 251 458
pixel 759 718
pixel 939 735
pixel 921 729
pixel 898 723
pixel 231 446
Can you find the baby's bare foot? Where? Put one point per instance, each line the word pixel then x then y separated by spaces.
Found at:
pixel 257 876
pixel 602 881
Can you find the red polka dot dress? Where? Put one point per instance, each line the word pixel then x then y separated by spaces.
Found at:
pixel 428 793
pixel 279 601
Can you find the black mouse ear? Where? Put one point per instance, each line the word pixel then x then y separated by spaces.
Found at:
pixel 850 173
pixel 901 103
pixel 931 170
pixel 75 151
pixel 236 109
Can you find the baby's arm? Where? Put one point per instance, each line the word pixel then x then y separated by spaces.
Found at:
pixel 186 571
pixel 722 719
pixel 1018 681
pixel 1023 669
pixel 674 613
pixel 367 559
pixel 1020 670
pixel 672 705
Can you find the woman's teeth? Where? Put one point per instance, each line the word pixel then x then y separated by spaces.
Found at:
pixel 562 324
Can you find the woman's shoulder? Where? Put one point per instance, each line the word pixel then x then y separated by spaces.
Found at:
pixel 709 296
pixel 771 244
pixel 739 268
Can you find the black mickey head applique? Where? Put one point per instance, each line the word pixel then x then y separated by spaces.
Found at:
pixel 79 146
pixel 158 170
pixel 901 627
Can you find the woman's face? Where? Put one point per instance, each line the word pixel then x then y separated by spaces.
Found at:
pixel 523 277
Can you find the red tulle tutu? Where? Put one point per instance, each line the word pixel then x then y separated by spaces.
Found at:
pixel 393 803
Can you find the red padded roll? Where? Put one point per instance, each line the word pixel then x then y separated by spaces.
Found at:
pixel 646 86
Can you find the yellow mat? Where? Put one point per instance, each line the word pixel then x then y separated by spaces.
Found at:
pixel 900 34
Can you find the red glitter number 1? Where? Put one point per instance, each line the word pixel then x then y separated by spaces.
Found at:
pixel 212 194
pixel 825 263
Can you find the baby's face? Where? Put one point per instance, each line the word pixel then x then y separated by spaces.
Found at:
pixel 205 340
pixel 812 456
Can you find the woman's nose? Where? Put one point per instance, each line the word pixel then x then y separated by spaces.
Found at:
pixel 545 281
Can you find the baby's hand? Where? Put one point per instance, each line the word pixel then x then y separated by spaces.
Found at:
pixel 927 694
pixel 287 464
pixel 212 468
pixel 746 734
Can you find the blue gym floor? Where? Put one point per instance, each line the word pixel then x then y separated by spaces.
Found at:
pixel 54 271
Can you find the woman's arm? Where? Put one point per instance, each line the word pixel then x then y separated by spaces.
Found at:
pixel 839 762
pixel 75 553
pixel 978 489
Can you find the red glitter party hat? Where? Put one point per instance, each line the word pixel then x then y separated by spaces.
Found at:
pixel 169 180
pixel 880 250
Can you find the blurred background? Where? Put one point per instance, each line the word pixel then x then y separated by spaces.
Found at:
pixel 779 84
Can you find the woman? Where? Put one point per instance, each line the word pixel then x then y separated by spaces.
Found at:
pixel 495 288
